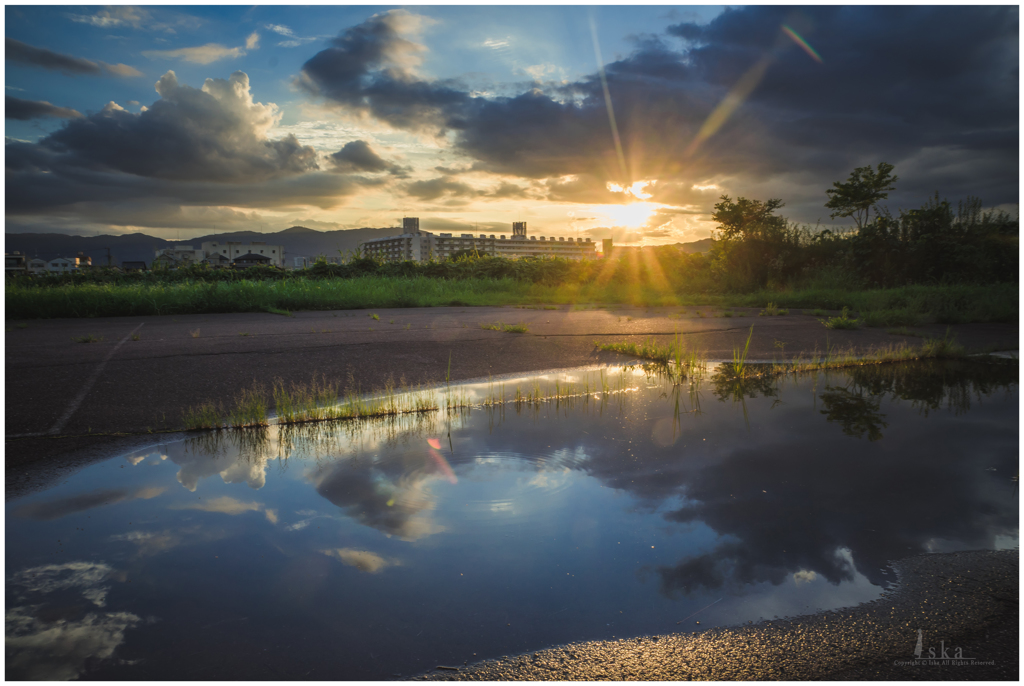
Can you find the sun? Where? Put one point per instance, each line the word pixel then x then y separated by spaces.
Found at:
pixel 634 215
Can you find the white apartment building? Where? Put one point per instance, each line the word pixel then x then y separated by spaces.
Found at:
pixel 185 255
pixel 235 249
pixel 422 246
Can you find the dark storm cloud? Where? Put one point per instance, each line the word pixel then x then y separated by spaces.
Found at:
pixel 16 51
pixel 216 133
pixel 358 156
pixel 894 84
pixel 24 110
pixel 207 146
pixel 371 68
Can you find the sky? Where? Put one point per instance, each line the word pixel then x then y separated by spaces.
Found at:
pixel 604 121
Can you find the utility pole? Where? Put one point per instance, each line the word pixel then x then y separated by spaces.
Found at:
pixel 109 259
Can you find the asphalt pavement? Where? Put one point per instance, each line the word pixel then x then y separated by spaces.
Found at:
pixel 68 400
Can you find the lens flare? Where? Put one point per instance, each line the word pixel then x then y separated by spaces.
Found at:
pixel 802 43
pixel 439 461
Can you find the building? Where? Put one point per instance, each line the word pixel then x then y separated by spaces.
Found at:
pixel 14 264
pixel 178 256
pixel 37 265
pixel 130 266
pixel 423 246
pixel 63 265
pixel 235 249
pixel 251 260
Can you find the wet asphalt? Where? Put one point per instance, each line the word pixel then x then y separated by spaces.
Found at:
pixel 70 403
pixel 964 604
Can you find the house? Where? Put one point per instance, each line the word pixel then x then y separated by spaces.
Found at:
pixel 180 256
pixel 216 260
pixel 62 265
pixel 251 260
pixel 14 264
pixel 37 266
pixel 235 249
pixel 133 266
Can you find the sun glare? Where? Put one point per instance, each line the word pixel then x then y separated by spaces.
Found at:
pixel 633 215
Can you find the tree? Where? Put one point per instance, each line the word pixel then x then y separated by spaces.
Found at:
pixel 861 192
pixel 746 219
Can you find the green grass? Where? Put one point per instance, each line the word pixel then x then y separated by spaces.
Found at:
pixel 843 321
pixel 507 328
pixel 739 358
pixel 277 310
pixel 677 360
pixel 375 317
pixel 772 310
pixel 88 338
pixel 833 358
pixel 941 303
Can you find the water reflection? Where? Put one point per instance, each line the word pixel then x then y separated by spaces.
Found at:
pixel 54 625
pixel 615 511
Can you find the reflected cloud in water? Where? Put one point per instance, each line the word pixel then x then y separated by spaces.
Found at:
pixel 49 636
pixel 55 509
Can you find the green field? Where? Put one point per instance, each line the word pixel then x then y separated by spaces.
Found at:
pixel 907 305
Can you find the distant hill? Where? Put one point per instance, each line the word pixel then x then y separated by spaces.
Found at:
pixel 298 241
pixel 703 245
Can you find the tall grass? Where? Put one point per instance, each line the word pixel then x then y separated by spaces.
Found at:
pixel 677 361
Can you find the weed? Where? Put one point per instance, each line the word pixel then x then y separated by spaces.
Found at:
pixel 375 317
pixel 701 314
pixel 21 325
pixel 739 359
pixel 243 333
pixel 843 321
pixel 728 313
pixel 194 333
pixel 88 338
pixel 408 326
pixel 772 311
pixel 204 416
pixel 136 336
pixel 818 312
pixel 892 317
pixel 507 328
pixel 277 310
pixel 391 321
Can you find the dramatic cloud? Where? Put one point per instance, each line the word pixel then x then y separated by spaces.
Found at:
pixel 358 156
pixel 16 51
pixel 24 110
pixel 886 87
pixel 216 133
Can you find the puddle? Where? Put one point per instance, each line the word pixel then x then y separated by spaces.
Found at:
pixel 381 548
